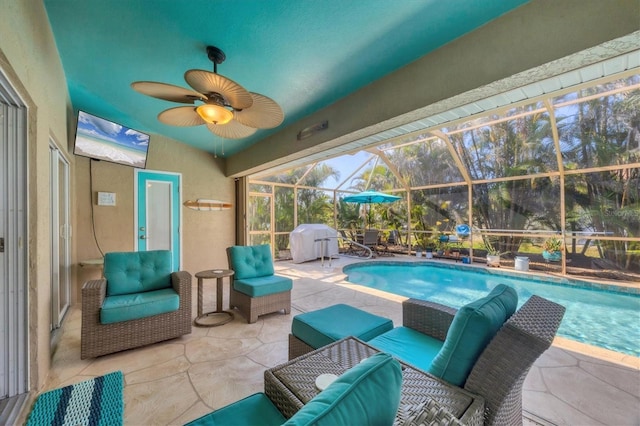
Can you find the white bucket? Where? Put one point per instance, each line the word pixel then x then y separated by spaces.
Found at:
pixel 522 263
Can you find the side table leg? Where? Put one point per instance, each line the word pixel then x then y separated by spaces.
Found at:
pixel 219 316
pixel 219 287
pixel 200 297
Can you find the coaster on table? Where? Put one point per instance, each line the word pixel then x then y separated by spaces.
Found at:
pixel 324 380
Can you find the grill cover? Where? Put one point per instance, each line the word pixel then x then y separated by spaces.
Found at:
pixel 306 242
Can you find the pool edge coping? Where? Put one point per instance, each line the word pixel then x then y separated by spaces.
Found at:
pixel 534 276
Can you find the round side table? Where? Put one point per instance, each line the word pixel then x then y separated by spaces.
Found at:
pixel 219 275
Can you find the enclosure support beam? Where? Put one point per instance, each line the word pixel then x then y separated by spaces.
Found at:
pixel 556 143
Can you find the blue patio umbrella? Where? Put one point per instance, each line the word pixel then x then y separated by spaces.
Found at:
pixel 371 197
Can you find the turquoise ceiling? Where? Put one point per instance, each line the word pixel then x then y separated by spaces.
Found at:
pixel 304 54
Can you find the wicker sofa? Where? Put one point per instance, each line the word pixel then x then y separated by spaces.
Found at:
pixel 102 335
pixel 502 366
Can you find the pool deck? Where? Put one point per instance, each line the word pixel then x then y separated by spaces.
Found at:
pixel 182 379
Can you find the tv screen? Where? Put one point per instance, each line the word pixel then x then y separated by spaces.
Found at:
pixel 102 139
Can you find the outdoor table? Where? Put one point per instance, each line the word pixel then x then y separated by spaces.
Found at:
pixel 225 316
pixel 291 385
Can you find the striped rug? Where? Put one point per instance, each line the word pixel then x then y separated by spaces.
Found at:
pixel 96 402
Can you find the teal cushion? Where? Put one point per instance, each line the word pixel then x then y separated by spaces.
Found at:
pixel 367 394
pixel 127 307
pixel 473 326
pixel 262 286
pixel 138 271
pixel 254 410
pixel 409 346
pixel 324 326
pixel 250 261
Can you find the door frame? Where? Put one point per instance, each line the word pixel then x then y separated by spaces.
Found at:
pixel 139 173
pixel 64 231
pixel 14 346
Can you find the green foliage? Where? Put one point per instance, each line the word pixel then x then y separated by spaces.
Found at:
pixel 601 131
pixel 491 246
pixel 552 244
pixel 348 215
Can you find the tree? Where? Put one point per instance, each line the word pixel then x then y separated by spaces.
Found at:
pixel 605 131
pixel 511 148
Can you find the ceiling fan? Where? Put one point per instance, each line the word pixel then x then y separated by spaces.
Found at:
pixel 227 109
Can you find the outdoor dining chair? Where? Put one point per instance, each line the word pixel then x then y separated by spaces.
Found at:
pixel 370 239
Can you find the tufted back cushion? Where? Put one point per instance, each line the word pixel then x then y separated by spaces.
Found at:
pixel 367 394
pixel 473 326
pixel 137 272
pixel 250 261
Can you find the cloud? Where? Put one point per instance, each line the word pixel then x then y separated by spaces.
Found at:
pixel 139 136
pixel 106 127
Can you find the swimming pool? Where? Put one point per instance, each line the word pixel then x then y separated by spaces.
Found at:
pixel 605 318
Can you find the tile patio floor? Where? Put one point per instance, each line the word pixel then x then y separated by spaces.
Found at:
pixel 173 382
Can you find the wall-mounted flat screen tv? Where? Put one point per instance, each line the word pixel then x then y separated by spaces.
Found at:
pixel 102 139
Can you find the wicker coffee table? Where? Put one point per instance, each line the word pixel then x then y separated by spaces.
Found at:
pixel 291 385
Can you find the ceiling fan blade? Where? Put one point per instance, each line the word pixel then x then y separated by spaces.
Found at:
pixel 181 116
pixel 207 82
pixel 231 130
pixel 265 113
pixel 167 92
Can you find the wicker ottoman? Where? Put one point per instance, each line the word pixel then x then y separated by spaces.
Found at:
pixel 315 329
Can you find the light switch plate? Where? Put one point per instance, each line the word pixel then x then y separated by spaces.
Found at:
pixel 106 198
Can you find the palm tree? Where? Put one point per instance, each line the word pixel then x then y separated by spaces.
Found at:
pixel 315 205
pixel 348 215
pixel 510 148
pixel 605 131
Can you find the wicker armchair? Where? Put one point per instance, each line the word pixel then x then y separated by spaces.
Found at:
pixel 101 339
pixel 255 288
pixel 498 374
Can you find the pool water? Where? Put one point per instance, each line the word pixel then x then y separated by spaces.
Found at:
pixel 604 318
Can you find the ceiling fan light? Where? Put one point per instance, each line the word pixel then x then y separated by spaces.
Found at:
pixel 214 114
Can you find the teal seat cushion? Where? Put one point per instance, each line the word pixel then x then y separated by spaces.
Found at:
pixel 262 286
pixel 324 326
pixel 409 345
pixel 127 307
pixel 254 410
pixel 473 326
pixel 135 272
pixel 366 394
pixel 251 261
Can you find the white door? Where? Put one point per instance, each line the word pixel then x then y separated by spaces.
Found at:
pixel 60 236
pixel 158 203
pixel 13 246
